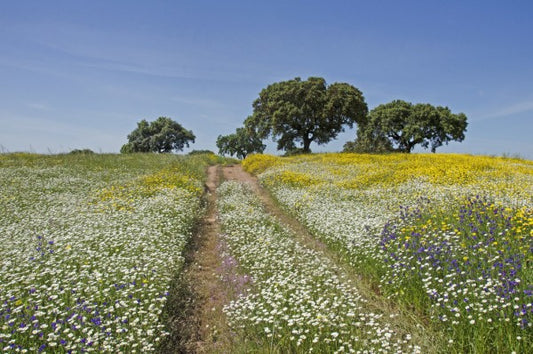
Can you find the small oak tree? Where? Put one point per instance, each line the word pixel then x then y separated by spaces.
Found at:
pixel 161 135
pixel 242 143
pixel 303 112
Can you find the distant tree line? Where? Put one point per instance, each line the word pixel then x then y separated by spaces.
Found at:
pixel 81 152
pixel 296 113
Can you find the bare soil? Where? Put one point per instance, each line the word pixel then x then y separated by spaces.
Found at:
pixel 198 324
pixel 205 275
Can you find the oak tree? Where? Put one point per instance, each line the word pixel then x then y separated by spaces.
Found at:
pixel 400 126
pixel 301 112
pixel 161 135
pixel 242 143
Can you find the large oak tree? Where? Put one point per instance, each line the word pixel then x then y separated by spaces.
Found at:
pixel 301 112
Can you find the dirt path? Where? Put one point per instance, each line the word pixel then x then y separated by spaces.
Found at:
pixel 236 173
pixel 205 275
pixel 198 323
pixel 197 320
pixel 402 320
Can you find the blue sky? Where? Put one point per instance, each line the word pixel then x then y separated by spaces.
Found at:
pixel 81 74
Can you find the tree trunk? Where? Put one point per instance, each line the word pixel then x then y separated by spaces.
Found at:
pixel 307 143
pixel 410 146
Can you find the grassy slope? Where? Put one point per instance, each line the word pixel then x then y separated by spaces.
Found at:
pixel 426 256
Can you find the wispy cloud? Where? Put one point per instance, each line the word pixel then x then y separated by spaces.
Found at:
pixel 195 101
pixel 516 108
pixel 39 106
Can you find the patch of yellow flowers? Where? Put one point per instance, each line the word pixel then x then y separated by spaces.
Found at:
pixel 258 163
pixel 362 171
pixel 122 197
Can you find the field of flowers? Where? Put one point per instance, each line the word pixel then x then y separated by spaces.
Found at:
pixel 88 247
pixel 449 236
pixel 292 299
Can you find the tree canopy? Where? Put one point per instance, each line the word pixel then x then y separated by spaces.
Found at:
pixel 303 112
pixel 242 143
pixel 161 135
pixel 400 126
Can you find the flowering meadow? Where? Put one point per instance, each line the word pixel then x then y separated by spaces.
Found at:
pixel 293 299
pixel 88 247
pixel 449 237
